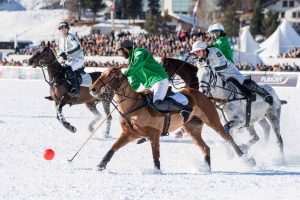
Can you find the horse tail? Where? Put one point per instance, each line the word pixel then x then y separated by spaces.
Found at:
pixel 283 102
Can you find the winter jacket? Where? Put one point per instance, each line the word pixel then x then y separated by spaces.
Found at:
pixel 143 69
pixel 223 44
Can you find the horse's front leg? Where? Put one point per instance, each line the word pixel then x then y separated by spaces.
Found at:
pixel 106 107
pixel 62 119
pixel 252 141
pixel 124 139
pixel 92 107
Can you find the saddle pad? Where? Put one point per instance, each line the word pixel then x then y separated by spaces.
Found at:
pixel 180 98
pixel 86 80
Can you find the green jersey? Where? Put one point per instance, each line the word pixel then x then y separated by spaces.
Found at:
pixel 223 44
pixel 143 69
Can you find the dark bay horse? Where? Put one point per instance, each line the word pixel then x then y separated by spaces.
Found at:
pixel 59 88
pixel 139 120
pixel 233 104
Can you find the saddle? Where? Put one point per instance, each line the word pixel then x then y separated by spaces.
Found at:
pixel 249 95
pixel 170 96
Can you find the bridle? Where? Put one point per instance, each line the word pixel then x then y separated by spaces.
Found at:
pixel 212 81
pixel 45 66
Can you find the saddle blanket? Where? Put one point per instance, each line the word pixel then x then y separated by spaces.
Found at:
pixel 180 98
pixel 86 80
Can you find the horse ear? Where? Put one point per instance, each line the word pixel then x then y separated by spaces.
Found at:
pixel 48 44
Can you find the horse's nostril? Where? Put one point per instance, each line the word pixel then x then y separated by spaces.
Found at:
pixel 93 90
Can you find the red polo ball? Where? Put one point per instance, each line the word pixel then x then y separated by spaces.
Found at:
pixel 49 154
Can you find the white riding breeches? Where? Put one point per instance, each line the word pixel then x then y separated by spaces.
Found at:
pixel 235 73
pixel 75 63
pixel 160 89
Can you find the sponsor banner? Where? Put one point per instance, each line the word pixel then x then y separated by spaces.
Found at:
pixel 275 79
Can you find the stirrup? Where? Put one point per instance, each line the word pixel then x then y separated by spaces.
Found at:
pixel 269 100
pixel 185 113
pixel 74 92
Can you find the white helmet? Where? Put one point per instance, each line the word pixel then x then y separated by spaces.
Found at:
pixel 199 45
pixel 216 27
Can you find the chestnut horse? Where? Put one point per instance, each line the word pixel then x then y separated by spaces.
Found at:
pixel 139 120
pixel 59 88
pixel 234 110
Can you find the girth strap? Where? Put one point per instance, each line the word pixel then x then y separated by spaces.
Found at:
pixel 248 112
pixel 166 124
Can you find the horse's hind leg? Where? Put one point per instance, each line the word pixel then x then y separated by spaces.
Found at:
pixel 92 107
pixel 266 127
pixel 62 119
pixel 194 129
pixel 274 119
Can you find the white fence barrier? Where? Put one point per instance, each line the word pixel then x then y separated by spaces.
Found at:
pixel 278 79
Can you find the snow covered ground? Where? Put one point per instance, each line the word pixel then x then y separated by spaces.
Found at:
pixel 28 126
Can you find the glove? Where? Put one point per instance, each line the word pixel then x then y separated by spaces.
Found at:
pixel 63 55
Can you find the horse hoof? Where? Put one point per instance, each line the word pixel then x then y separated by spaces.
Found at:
pixel 250 161
pixel 73 129
pixel 100 167
pixel 244 148
pixel 91 130
pixel 141 141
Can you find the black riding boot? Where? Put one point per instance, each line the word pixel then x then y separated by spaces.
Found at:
pixel 253 86
pixel 71 75
pixel 171 105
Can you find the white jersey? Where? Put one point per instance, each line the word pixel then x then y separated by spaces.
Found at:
pixel 71 46
pixel 219 62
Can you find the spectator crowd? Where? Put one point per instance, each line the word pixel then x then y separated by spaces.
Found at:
pixel 159 45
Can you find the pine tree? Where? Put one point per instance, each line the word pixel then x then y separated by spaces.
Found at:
pixel 164 20
pixel 131 9
pixel 153 16
pixel 269 24
pixel 136 8
pixel 256 21
pixel 231 21
pixel 125 9
pixel 95 6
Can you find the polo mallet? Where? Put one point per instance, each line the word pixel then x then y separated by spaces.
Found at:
pixel 94 131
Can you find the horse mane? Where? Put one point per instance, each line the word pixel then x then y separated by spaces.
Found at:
pixel 186 71
pixel 176 63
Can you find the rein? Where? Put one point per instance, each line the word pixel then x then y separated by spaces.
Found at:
pixel 213 83
pixel 45 66
pixel 122 93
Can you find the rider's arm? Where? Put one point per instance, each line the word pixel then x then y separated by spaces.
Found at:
pixel 134 83
pixel 140 58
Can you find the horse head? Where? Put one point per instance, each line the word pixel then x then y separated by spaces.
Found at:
pixel 208 78
pixel 43 56
pixel 108 83
pixel 186 71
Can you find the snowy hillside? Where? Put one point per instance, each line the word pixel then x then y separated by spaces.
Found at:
pixel 34 25
pixel 14 5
